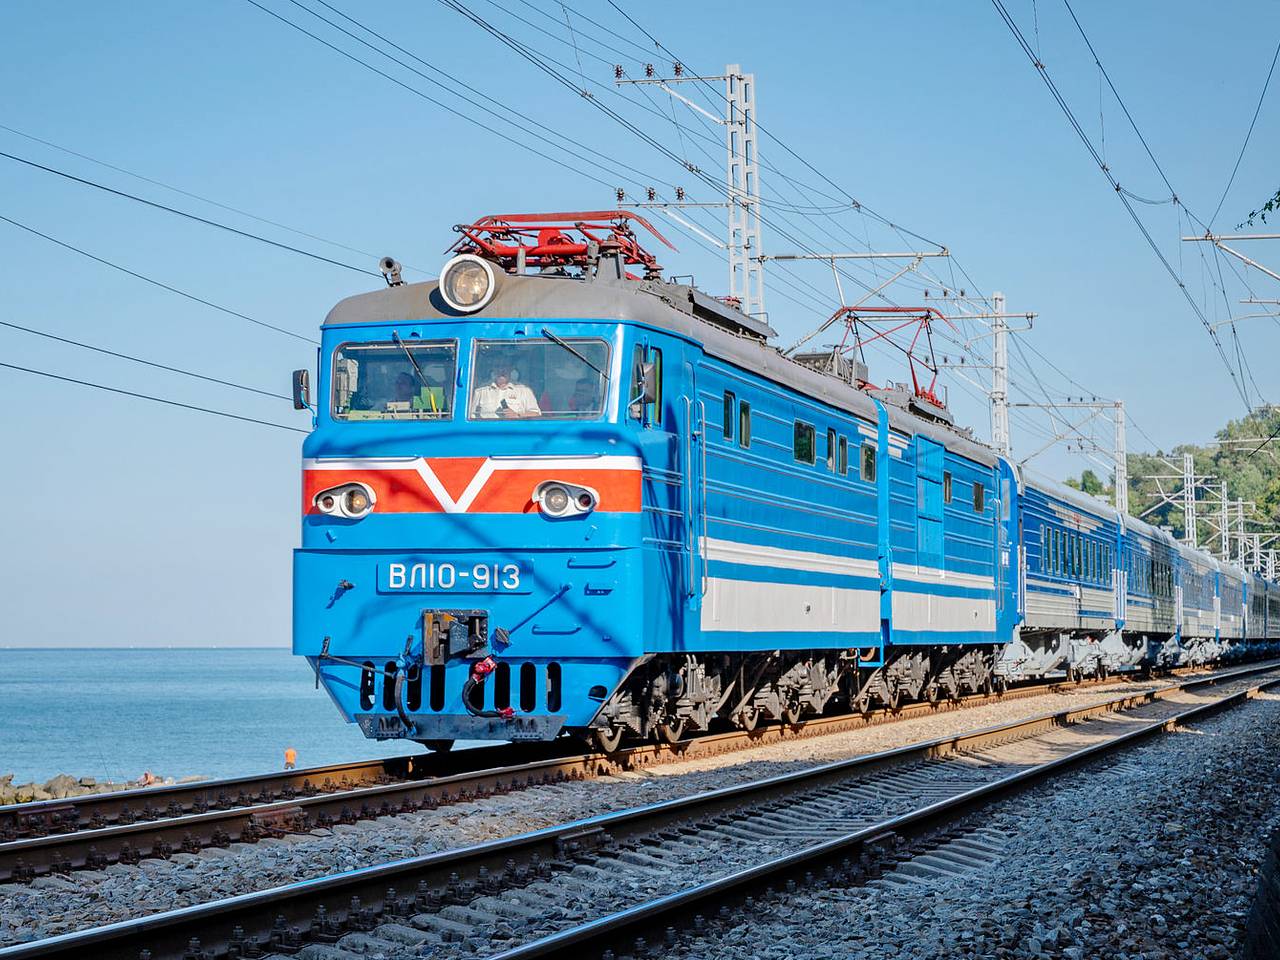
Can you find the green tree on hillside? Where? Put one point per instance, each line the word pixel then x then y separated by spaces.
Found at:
pixel 1249 475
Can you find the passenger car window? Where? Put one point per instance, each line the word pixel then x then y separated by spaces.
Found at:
pixel 979 503
pixel 843 456
pixel 831 450
pixel 744 424
pixel 408 380
pixel 867 466
pixel 730 404
pixel 946 486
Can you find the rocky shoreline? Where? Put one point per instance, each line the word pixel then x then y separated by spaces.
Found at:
pixel 64 785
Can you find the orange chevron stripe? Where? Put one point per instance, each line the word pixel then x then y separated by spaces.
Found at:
pixel 508 490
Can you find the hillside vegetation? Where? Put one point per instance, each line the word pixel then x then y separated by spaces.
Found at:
pixel 1243 458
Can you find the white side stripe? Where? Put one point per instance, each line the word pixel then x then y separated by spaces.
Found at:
pixel 731 551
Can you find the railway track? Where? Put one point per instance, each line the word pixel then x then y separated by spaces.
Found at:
pixel 559 888
pixel 94 831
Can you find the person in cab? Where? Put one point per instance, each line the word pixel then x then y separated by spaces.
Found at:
pixel 502 398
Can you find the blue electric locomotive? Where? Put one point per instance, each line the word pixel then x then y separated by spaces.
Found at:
pixel 549 494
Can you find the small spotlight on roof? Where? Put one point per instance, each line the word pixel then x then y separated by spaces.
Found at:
pixel 390 268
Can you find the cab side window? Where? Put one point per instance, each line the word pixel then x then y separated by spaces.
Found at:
pixel 638 359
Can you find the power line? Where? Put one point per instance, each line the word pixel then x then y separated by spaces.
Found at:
pixel 416 92
pixel 149 363
pixel 189 194
pixel 527 53
pixel 1106 172
pixel 1258 109
pixel 154 282
pixel 183 213
pixel 147 396
pixel 780 142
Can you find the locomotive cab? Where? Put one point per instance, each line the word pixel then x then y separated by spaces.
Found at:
pixel 471 563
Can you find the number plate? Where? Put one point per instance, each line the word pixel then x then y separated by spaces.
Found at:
pixel 452 576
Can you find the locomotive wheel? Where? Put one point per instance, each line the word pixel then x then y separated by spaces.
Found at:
pixel 931 694
pixel 437 746
pixel 1001 686
pixel 893 698
pixel 862 703
pixel 607 739
pixel 1102 671
pixel 671 732
pixel 791 715
pixel 986 685
pixel 749 719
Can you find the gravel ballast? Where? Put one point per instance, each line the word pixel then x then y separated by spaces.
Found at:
pixel 53 905
pixel 1151 854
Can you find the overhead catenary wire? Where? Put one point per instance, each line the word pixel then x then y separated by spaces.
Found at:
pixel 144 362
pixel 1248 135
pixel 154 282
pixel 407 53
pixel 1107 173
pixel 153 399
pixel 952 263
pixel 183 213
pixel 189 194
pixel 444 86
pixel 525 52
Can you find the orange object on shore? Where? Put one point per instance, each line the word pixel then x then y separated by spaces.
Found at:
pixel 290 758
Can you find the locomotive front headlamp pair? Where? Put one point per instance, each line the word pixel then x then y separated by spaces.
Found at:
pixel 467 283
pixel 558 499
pixel 351 501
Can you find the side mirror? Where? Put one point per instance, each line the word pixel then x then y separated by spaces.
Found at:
pixel 648 383
pixel 301 389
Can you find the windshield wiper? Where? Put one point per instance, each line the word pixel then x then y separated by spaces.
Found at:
pixel 422 377
pixel 568 346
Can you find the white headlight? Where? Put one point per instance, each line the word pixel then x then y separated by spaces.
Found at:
pixel 350 501
pixel 467 283
pixel 555 499
pixel 558 499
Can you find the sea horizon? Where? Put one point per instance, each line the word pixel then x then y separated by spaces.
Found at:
pixel 107 712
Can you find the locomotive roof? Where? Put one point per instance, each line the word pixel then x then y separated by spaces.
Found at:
pixel 723 331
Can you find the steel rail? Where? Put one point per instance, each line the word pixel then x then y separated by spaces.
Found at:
pixel 676 909
pixel 201 814
pixel 283 916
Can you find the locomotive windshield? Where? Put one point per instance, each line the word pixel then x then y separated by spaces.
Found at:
pixel 550 379
pixel 401 380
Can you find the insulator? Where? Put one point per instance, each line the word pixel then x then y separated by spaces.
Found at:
pixel 617 71
pixel 680 194
pixel 621 194
pixel 678 67
pixel 648 69
pixel 652 193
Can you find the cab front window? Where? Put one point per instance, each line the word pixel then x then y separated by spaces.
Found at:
pixel 553 378
pixel 399 380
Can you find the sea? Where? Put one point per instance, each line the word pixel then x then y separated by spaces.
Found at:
pixel 113 714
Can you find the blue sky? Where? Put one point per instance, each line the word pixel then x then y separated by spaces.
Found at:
pixel 132 523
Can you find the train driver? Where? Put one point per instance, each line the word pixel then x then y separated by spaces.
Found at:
pixel 502 398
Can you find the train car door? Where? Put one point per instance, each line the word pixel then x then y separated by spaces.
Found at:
pixel 692 434
pixel 929 540
pixel 1010 568
pixel 1120 575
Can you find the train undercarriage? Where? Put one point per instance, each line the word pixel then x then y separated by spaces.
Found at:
pixel 668 695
